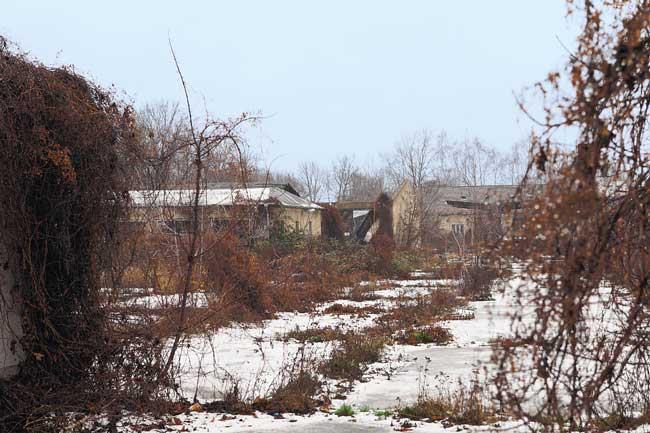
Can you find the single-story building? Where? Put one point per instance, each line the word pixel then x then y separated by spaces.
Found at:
pixel 254 209
pixel 460 213
pixel 359 216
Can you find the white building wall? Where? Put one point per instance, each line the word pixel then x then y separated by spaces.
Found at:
pixel 10 324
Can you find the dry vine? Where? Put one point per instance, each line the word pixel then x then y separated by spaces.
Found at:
pixel 62 194
pixel 579 354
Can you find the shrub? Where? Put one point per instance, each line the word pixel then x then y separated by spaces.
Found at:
pixel 333 226
pixel 464 405
pixel 352 309
pixel 476 282
pixel 440 304
pixel 431 334
pixel 297 394
pixel 349 359
pixel 237 277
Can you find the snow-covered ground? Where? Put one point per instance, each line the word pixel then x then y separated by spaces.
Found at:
pixel 366 422
pixel 254 357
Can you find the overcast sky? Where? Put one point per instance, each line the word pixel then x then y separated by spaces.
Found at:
pixel 333 77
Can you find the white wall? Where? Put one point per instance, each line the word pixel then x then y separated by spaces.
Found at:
pixel 10 326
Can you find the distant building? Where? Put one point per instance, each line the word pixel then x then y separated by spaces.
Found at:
pixel 360 220
pixel 254 210
pixel 455 212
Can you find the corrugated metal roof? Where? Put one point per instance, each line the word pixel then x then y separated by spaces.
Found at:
pixel 220 197
pixel 442 196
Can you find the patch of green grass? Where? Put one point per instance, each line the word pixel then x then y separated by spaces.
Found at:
pixel 344 410
pixel 383 413
pixel 365 408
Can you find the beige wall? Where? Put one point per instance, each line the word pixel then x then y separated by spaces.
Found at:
pixel 305 220
pixel 405 215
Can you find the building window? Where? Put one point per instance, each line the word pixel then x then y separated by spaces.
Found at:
pixel 458 229
pixel 220 225
pixel 176 227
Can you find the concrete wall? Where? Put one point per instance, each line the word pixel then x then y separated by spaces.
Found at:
pixel 10 324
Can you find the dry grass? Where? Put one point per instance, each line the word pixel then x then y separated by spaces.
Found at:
pixel 363 311
pixel 314 335
pixel 350 358
pixel 468 405
pixel 441 304
pixel 428 335
pixel 619 422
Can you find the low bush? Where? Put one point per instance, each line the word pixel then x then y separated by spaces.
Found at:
pixel 350 358
pixel 476 282
pixel 233 401
pixel 296 391
pixel 619 422
pixel 363 293
pixel 430 334
pixel 296 395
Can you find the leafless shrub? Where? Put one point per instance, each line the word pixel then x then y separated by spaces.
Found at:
pixel 476 282
pixel 464 404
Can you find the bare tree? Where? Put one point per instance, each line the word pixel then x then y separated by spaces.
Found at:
pixel 205 140
pixel 342 177
pixel 515 162
pixel 413 162
pixel 367 185
pixel 475 163
pixel 163 135
pixel 313 180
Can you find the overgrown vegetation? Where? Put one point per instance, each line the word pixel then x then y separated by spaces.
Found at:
pixel 59 131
